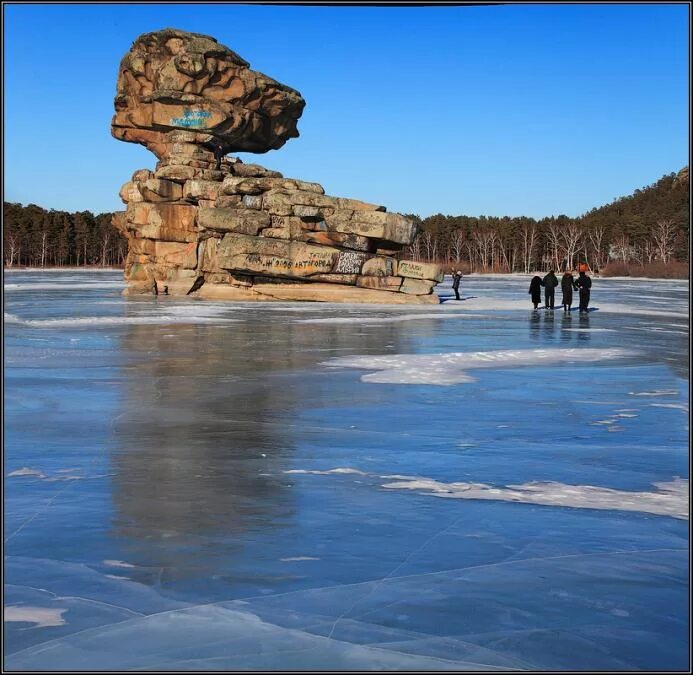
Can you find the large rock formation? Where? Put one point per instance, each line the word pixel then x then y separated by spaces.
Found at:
pixel 212 226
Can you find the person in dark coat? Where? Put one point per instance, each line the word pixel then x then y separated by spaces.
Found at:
pixel 535 290
pixel 583 285
pixel 456 278
pixel 218 153
pixel 549 282
pixel 567 283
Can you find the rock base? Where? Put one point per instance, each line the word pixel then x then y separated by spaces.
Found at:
pixel 243 232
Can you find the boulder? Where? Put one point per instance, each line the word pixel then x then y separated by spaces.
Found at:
pixel 417 286
pixel 172 80
pixel 419 270
pixel 243 221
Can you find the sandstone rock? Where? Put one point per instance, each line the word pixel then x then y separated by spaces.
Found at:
pixel 176 172
pixel 244 221
pixel 333 293
pixel 235 230
pixel 201 189
pixel 253 171
pixel 382 283
pixel 226 201
pixel 349 279
pixel 252 201
pixel 161 190
pixel 281 202
pixel 417 286
pixel 351 241
pixel 175 254
pixel 207 256
pixel 380 266
pixel 307 212
pixel 141 175
pixel 275 257
pixel 130 193
pixel 350 262
pixel 172 216
pixel 419 270
pixel 389 227
pixel 173 80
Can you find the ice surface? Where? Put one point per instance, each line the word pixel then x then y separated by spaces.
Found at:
pixel 199 486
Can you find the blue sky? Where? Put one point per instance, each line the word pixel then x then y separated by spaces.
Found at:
pixel 512 110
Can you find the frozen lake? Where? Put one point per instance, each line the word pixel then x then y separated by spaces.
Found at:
pixel 218 486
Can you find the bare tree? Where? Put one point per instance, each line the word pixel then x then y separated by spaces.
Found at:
pixel 529 240
pixel 572 239
pixel 471 249
pixel 457 244
pixel 485 240
pixel 11 248
pixel 104 247
pixel 596 237
pixel 415 248
pixel 555 240
pixel 649 250
pixel 44 248
pixel 428 244
pixel 621 248
pixel 664 236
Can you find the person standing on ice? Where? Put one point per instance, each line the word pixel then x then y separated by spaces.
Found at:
pixel 583 284
pixel 456 278
pixel 567 283
pixel 549 282
pixel 535 290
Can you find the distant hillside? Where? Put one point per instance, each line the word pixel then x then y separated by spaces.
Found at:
pixel 648 228
pixel 637 215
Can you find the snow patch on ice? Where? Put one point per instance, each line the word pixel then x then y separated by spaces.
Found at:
pixel 329 471
pixel 298 558
pixel 26 471
pixel 656 392
pixel 678 406
pixel 117 563
pixel 669 498
pixel 448 369
pixel 43 617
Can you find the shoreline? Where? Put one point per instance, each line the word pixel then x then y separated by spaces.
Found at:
pixel 63 269
pixel 500 275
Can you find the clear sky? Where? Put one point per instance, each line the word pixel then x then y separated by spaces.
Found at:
pixel 512 110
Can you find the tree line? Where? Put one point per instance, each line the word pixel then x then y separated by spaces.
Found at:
pixel 649 226
pixel 35 237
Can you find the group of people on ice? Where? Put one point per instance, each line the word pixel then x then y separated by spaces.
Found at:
pixel 568 284
pixel 549 283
